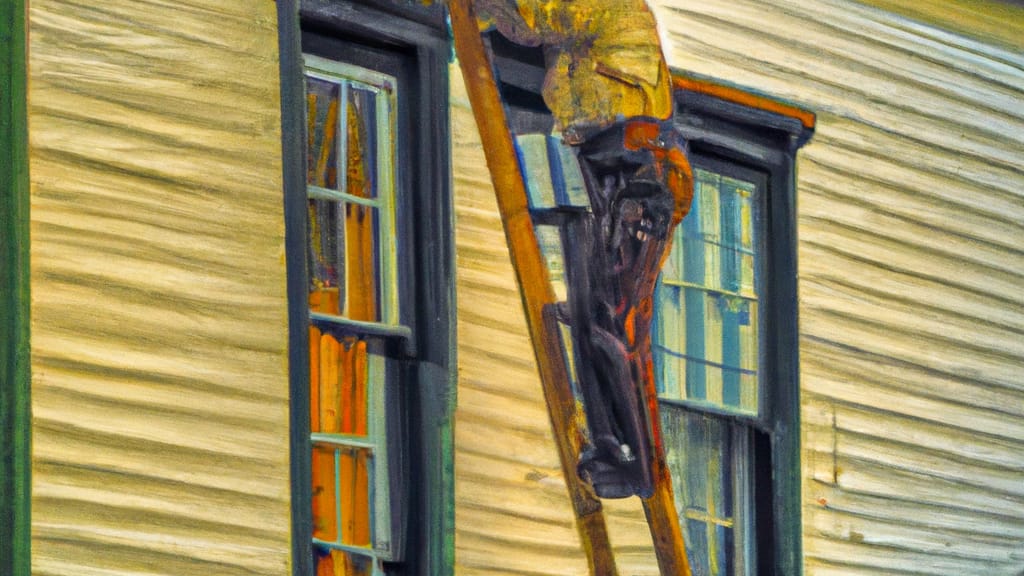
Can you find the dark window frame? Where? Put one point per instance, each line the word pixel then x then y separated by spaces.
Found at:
pixel 416 38
pixel 722 132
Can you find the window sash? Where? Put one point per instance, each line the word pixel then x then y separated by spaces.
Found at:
pixel 705 275
pixel 734 449
pixel 742 286
pixel 386 89
pixel 380 370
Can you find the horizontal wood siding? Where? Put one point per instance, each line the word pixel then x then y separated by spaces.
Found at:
pixel 512 513
pixel 158 290
pixel 911 215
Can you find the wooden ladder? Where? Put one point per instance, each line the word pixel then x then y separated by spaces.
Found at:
pixel 539 305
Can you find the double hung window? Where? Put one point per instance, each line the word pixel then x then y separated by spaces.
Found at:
pixel 369 262
pixel 724 335
pixel 353 307
pixel 706 354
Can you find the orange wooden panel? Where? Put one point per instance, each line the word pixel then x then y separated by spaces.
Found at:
pixel 347 494
pixel 314 378
pixel 325 517
pixel 355 503
pixel 361 262
pixel 361 507
pixel 347 385
pixel 330 391
pixel 360 380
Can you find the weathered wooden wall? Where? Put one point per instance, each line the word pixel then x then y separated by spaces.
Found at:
pixel 911 215
pixel 158 289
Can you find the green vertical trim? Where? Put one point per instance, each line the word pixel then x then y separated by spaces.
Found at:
pixel 15 433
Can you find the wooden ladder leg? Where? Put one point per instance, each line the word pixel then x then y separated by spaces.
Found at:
pixel 660 508
pixel 532 275
pixel 562 409
pixel 663 521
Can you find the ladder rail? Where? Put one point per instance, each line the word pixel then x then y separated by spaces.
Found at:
pixel 539 304
pixel 531 274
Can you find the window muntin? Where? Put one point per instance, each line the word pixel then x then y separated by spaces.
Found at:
pixel 706 321
pixel 554 183
pixel 710 462
pixel 353 302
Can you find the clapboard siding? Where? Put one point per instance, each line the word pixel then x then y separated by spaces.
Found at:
pixel 512 515
pixel 910 220
pixel 160 386
pixel 911 211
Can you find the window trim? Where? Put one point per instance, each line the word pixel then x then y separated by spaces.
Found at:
pixel 420 34
pixel 754 131
pixel 15 350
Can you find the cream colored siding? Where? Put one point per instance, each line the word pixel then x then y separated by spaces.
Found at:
pixel 911 264
pixel 910 204
pixel 512 511
pixel 159 329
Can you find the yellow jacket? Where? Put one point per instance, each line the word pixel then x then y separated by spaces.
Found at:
pixel 605 56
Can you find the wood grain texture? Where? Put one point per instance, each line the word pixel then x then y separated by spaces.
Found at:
pixel 160 386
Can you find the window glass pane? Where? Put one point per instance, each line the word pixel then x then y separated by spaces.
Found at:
pixel 326 246
pixel 338 563
pixel 532 153
pixel 354 495
pixel 703 453
pixel 322 107
pixel 362 259
pixel 344 259
pixel 696 537
pixel 325 501
pixel 706 323
pixel 341 494
pixel 340 374
pixel 550 240
pixel 361 154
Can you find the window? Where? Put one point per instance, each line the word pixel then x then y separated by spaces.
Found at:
pixel 724 336
pixel 353 309
pixel 369 264
pixel 705 345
